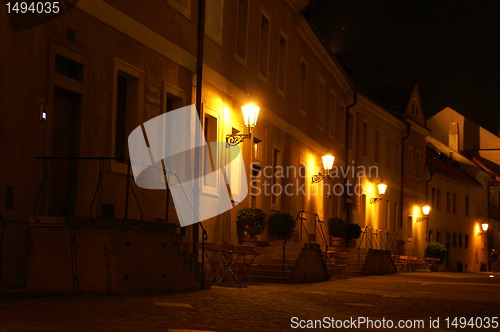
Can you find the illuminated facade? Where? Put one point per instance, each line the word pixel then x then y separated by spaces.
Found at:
pixel 77 85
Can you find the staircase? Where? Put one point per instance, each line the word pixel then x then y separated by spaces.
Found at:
pixel 269 266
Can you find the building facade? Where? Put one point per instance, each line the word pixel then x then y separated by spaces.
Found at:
pixel 74 88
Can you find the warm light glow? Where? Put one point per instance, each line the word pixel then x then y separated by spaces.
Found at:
pixel 381 187
pixel 485 226
pixel 426 209
pixel 328 162
pixel 250 114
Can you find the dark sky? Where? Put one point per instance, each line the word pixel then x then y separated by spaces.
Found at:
pixel 451 48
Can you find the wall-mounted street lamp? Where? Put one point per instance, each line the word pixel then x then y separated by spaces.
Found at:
pixel 484 227
pixel 250 116
pixel 426 209
pixel 381 188
pixel 327 166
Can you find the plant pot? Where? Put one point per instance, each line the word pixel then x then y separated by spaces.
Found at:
pixel 336 241
pixel 250 240
pixel 350 243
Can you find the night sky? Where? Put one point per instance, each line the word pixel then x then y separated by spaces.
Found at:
pixel 450 48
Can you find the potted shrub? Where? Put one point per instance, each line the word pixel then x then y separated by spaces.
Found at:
pixel 435 250
pixel 251 223
pixel 352 232
pixel 281 226
pixel 336 229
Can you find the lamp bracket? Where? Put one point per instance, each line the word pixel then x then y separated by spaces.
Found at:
pixel 235 139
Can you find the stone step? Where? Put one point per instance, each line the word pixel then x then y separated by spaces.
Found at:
pixel 269 279
pixel 273 261
pixel 270 273
pixel 272 267
pixel 289 256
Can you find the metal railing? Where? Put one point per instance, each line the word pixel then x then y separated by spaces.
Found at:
pixel 95 209
pixel 317 229
pixel 375 238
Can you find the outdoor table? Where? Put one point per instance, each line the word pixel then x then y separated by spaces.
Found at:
pixel 229 263
pixel 334 262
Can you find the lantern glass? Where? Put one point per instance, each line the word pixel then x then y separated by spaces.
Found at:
pixel 250 114
pixel 426 209
pixel 381 187
pixel 328 162
pixel 485 227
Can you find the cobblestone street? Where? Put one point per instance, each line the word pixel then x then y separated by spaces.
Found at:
pixel 264 307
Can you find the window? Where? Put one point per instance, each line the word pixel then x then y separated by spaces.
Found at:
pixel 9 197
pixel 365 139
pixel 210 163
pixel 127 110
pixel 394 215
pixel 466 205
pixel 396 157
pixel 242 29
pixel 264 45
pixel 276 162
pixel 302 184
pixel 257 149
pixel 303 86
pixel 409 227
pixel 460 240
pixel 341 124
pixel 410 162
pixel 417 165
pixel 333 116
pixel 388 215
pixel 448 201
pixel 321 103
pixel 182 6
pixel 351 130
pixel 377 146
pixel 454 203
pixel 438 237
pixel 69 68
pixel 282 51
pixel 466 241
pixel 454 240
pixel 388 154
pixel 172 102
pixel 213 19
pixel 433 197
pixel 438 199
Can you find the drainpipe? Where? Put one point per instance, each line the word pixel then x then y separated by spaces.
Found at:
pixel 199 81
pixel 1 248
pixel 408 127
pixel 355 100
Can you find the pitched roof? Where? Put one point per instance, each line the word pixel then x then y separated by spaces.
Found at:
pixel 487 165
pixel 393 96
pixel 445 165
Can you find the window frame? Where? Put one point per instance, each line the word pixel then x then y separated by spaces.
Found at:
pixel 137 73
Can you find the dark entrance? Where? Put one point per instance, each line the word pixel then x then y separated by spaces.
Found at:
pixel 65 137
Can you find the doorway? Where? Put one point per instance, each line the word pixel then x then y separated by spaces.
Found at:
pixel 65 138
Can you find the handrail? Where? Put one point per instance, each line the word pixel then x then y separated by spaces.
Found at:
pixel 284 258
pixel 204 238
pixel 317 226
pixel 302 226
pixel 321 233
